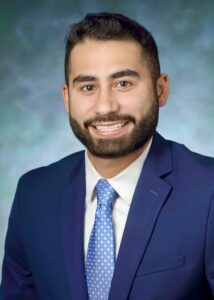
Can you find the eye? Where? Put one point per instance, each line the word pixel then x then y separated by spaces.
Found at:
pixel 124 84
pixel 88 88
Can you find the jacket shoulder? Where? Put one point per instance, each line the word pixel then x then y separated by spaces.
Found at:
pixel 193 166
pixel 58 171
pixel 185 154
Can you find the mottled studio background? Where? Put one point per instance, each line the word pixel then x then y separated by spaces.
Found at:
pixel 34 126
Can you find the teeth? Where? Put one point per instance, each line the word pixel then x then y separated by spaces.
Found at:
pixel 109 127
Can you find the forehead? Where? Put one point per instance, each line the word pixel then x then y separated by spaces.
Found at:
pixel 102 57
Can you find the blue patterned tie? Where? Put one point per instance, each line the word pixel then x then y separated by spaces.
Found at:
pixel 101 256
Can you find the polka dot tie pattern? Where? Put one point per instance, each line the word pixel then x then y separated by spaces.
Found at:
pixel 101 251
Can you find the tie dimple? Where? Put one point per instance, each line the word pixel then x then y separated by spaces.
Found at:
pixel 101 257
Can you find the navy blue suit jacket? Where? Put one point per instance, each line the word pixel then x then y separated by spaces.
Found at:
pixel 167 249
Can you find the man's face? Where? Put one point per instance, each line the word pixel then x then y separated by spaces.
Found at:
pixel 111 98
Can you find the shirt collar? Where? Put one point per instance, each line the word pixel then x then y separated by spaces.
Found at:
pixel 124 183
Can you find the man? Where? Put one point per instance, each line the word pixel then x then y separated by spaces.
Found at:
pixel 130 218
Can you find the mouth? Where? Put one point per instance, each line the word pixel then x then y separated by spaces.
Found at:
pixel 109 129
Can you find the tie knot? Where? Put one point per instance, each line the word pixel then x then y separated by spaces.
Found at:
pixel 105 192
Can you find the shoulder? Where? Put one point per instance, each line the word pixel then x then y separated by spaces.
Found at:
pixel 183 166
pixel 182 154
pixel 192 166
pixel 58 172
pixel 179 155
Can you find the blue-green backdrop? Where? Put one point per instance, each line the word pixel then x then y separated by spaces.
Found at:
pixel 34 126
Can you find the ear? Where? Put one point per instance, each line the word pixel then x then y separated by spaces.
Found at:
pixel 65 94
pixel 162 87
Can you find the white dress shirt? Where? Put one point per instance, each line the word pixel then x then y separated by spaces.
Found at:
pixel 124 184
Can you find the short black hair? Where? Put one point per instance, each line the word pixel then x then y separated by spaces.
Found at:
pixel 112 26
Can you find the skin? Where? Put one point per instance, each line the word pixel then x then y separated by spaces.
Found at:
pixel 97 87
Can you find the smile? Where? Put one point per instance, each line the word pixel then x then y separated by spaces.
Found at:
pixel 112 127
pixel 109 129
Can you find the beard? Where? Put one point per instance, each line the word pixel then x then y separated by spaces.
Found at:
pixel 118 146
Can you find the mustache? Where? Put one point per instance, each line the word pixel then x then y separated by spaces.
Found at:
pixel 109 118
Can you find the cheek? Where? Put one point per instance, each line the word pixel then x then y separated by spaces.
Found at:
pixel 135 104
pixel 80 110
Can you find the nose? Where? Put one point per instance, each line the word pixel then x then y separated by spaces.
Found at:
pixel 105 103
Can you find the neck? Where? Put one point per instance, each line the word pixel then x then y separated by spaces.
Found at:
pixel 109 168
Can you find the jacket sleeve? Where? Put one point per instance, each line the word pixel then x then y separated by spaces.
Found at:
pixel 17 280
pixel 209 258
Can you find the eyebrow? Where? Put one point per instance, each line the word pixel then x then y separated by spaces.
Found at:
pixel 123 73
pixel 83 78
pixel 119 74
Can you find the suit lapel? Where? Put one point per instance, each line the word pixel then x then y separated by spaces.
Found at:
pixel 149 197
pixel 72 209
